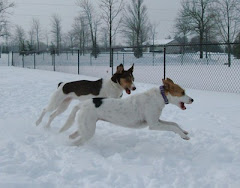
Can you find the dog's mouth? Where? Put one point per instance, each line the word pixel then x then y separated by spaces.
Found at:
pixel 182 106
pixel 128 91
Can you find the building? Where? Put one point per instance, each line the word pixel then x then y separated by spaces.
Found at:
pixel 159 46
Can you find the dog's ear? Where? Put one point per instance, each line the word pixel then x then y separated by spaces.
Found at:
pixel 131 69
pixel 120 69
pixel 169 80
pixel 166 84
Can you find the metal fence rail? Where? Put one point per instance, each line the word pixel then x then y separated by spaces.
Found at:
pixel 218 69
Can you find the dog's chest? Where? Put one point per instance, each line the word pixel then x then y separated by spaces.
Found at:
pixel 111 91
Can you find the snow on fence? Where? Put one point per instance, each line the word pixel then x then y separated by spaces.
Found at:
pixel 216 71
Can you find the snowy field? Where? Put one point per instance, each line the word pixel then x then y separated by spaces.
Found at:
pixel 116 157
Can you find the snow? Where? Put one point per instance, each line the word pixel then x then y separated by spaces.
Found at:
pixel 31 156
pixel 5 59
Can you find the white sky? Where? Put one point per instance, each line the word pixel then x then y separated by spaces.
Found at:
pixel 162 12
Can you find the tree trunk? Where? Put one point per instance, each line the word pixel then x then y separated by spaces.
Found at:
pixel 229 54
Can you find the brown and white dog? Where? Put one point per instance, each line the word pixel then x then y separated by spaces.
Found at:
pixel 137 111
pixel 84 89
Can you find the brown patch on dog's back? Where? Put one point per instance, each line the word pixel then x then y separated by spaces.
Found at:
pixel 83 87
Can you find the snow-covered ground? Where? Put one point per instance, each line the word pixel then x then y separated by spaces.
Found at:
pixel 116 157
pixel 5 59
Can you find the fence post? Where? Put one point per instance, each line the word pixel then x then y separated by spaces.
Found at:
pixel 164 63
pixel 34 60
pixel 153 61
pixel 12 59
pixel 53 59
pixel 111 59
pixel 23 59
pixel 78 61
pixel 123 59
pixel 90 59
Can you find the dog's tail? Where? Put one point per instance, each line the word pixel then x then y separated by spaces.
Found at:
pixel 70 119
pixel 59 84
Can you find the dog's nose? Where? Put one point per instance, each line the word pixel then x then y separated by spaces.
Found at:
pixel 134 88
pixel 192 100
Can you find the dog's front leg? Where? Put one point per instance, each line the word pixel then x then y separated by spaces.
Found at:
pixel 173 123
pixel 169 126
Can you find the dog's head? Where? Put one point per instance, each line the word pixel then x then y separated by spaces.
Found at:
pixel 175 94
pixel 124 78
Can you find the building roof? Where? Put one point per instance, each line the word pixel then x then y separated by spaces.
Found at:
pixel 158 42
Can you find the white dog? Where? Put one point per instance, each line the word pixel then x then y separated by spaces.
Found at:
pixel 84 89
pixel 138 111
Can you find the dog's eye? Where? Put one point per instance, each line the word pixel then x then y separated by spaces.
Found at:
pixel 128 79
pixel 183 93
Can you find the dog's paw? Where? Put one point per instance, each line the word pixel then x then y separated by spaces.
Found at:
pixel 38 122
pixel 185 138
pixel 74 135
pixel 185 132
pixel 46 127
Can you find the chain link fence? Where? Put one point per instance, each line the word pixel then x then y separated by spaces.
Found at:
pixel 215 68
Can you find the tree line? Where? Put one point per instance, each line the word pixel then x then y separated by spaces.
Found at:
pixel 98 26
pixel 209 21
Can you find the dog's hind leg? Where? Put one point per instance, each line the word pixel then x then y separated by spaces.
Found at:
pixel 70 119
pixel 87 126
pixel 41 116
pixel 62 107
pixel 53 104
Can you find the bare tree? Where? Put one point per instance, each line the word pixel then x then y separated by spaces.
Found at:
pixel 182 30
pixel 70 38
pixel 93 22
pixel 111 15
pixel 228 21
pixel 68 41
pixel 20 37
pixel 111 10
pixel 37 31
pixel 57 31
pixel 104 37
pixel 31 40
pixel 5 5
pixel 182 27
pixel 153 32
pixel 7 37
pixel 81 33
pixel 47 38
pixel 136 25
pixel 199 15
